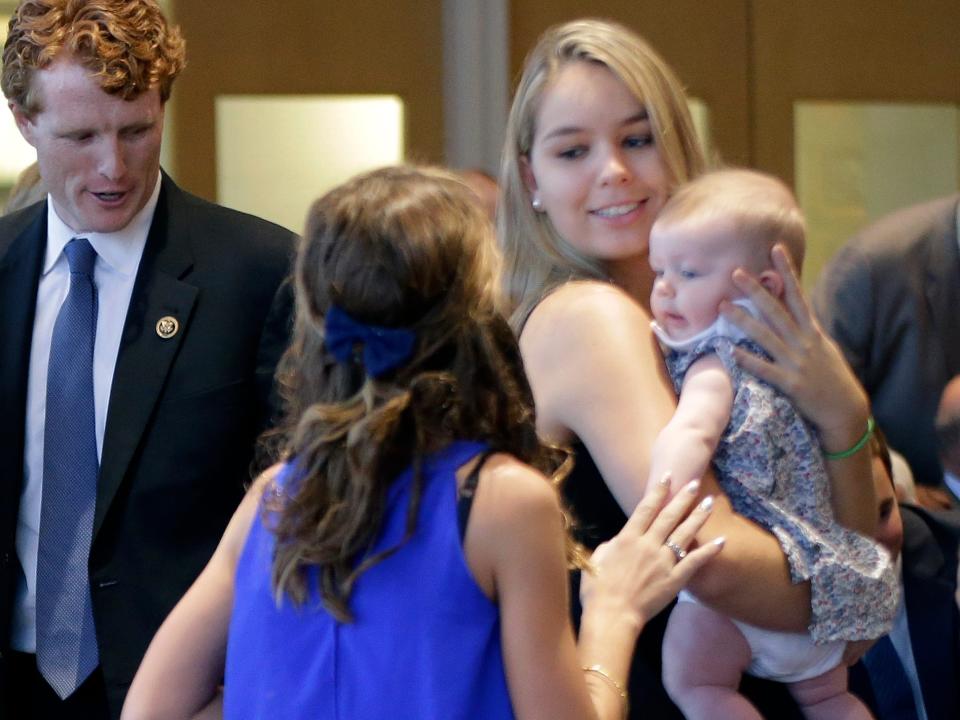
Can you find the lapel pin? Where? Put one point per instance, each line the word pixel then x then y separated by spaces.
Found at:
pixel 167 327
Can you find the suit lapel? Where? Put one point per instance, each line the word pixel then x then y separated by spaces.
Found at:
pixel 943 287
pixel 21 261
pixel 145 358
pixel 929 599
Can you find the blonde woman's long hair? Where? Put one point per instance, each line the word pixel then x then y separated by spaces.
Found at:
pixel 535 257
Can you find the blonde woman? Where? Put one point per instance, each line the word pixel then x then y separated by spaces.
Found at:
pixel 599 135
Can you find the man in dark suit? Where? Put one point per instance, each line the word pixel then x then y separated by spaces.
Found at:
pixel 889 297
pixel 926 632
pixel 139 330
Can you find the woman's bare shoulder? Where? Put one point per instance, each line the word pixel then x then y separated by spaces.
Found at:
pixel 235 535
pixel 516 488
pixel 585 299
pixel 586 311
pixel 515 511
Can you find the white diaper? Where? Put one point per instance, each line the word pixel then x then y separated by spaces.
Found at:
pixel 783 656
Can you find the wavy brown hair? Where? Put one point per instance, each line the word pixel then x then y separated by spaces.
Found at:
pixel 407 248
pixel 126 44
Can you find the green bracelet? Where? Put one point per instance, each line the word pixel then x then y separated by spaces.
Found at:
pixel 857 446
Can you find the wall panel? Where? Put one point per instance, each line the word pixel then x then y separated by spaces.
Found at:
pixel 867 50
pixel 706 43
pixel 310 47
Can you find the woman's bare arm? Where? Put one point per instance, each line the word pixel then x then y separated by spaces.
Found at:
pixel 181 672
pixel 684 448
pixel 515 549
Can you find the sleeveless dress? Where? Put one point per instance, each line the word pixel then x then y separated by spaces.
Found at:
pixel 424 643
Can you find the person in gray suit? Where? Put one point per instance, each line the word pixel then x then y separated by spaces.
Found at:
pixel 890 299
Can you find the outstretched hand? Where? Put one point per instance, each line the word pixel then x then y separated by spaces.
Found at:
pixel 806 364
pixel 648 562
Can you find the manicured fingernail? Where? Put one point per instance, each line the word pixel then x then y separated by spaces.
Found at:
pixel 665 480
pixel 693 487
pixel 706 503
pixel 719 541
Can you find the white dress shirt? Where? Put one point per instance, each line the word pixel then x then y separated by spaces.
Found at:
pixel 115 270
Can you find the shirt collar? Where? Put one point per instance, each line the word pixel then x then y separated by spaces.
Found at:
pixel 721 327
pixel 121 250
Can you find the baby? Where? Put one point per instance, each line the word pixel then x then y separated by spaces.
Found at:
pixel 766 457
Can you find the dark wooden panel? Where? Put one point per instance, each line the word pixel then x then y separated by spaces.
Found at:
pixel 706 43
pixel 867 50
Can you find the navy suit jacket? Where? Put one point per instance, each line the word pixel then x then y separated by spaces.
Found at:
pixel 930 544
pixel 183 412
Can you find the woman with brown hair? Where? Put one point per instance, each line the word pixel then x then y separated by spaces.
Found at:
pixel 409 558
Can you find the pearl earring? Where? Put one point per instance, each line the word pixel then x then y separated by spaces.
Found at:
pixel 537 204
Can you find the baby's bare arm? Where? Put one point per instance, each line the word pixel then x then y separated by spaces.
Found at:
pixel 685 446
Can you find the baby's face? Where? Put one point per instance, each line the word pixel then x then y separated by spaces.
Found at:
pixel 693 268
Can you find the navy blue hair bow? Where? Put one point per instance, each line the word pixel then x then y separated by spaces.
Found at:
pixel 383 348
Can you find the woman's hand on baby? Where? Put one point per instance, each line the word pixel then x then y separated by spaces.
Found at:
pixel 644 566
pixel 807 365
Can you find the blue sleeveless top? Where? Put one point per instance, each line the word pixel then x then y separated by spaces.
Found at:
pixel 424 642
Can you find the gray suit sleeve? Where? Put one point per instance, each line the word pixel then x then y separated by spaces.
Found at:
pixel 844 302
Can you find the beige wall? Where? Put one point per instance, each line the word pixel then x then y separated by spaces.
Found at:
pixel 749 60
pixel 395 46
pixel 868 50
pixel 309 47
pixel 706 43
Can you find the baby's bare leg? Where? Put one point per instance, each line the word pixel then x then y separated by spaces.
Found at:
pixel 704 656
pixel 825 697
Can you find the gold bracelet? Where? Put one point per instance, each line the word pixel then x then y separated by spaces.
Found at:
pixel 602 672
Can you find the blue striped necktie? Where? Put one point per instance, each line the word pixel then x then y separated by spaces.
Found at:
pixel 66 639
